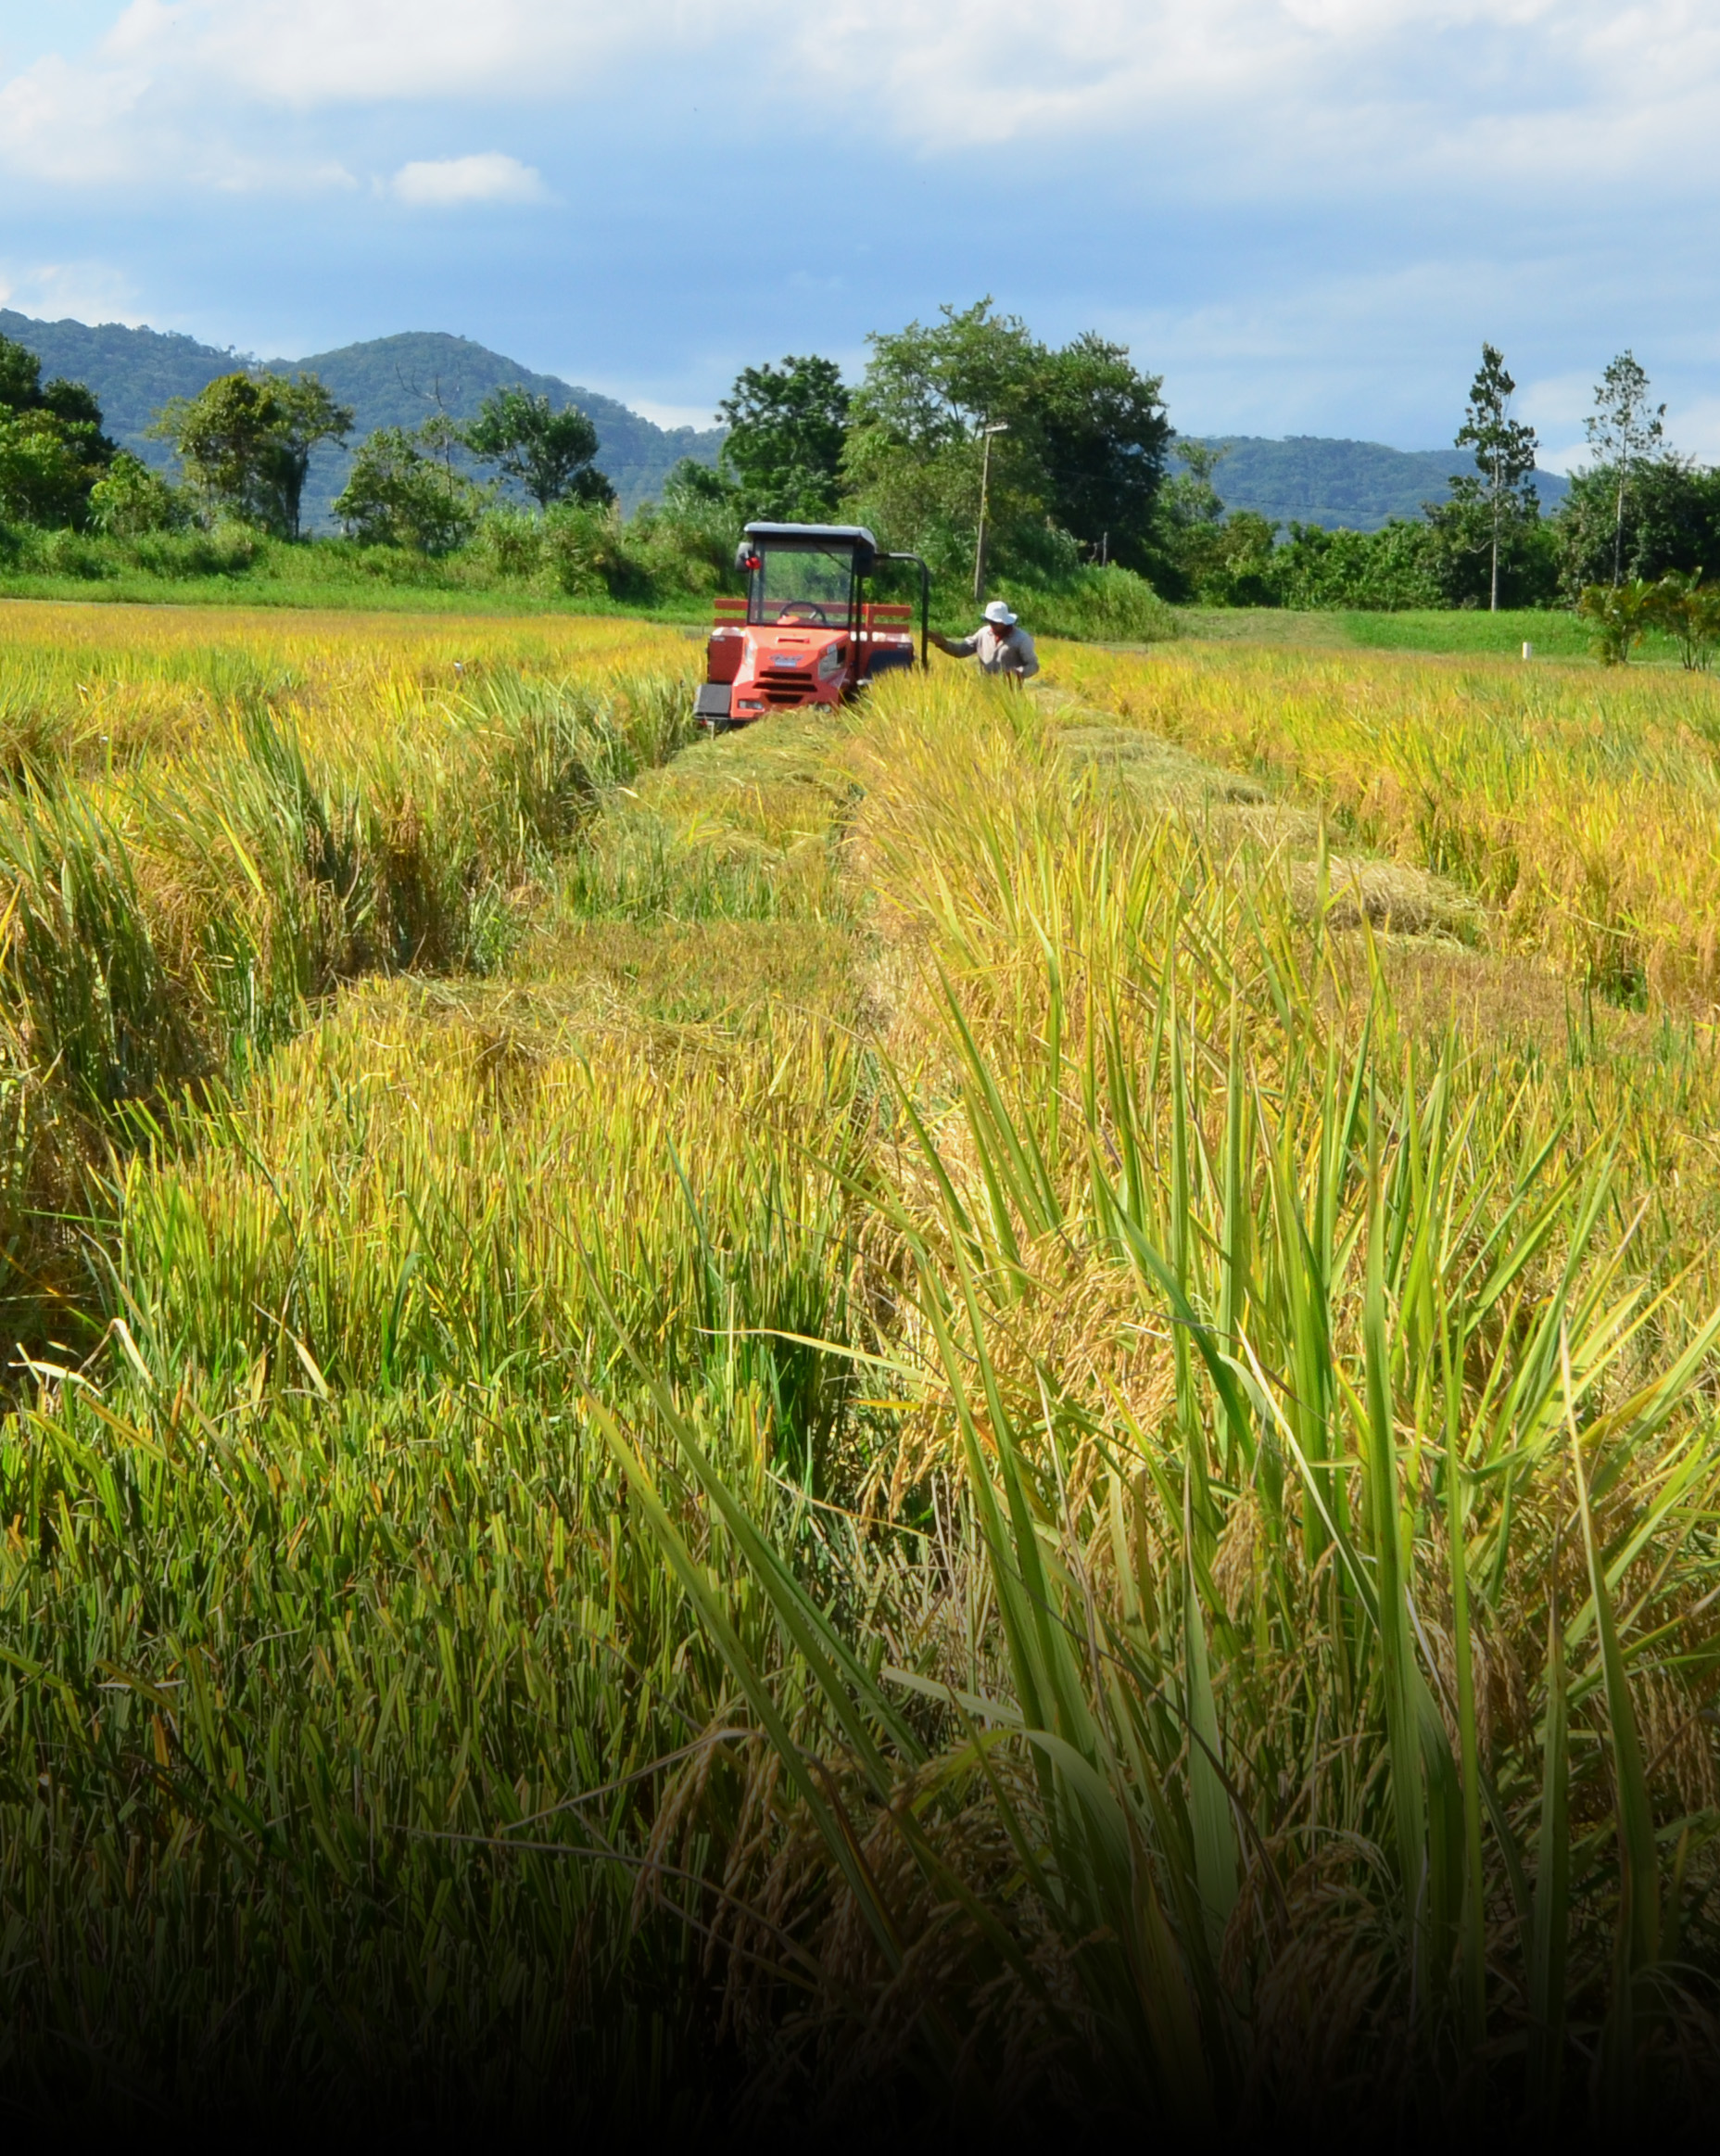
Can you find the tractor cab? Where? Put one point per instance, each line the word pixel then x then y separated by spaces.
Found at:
pixel 805 633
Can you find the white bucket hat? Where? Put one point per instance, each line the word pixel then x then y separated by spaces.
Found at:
pixel 999 612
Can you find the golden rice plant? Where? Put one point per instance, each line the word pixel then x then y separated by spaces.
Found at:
pixel 959 1443
pixel 315 809
pixel 1341 1479
pixel 263 1694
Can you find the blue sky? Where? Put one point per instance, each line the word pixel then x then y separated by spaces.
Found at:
pixel 1305 213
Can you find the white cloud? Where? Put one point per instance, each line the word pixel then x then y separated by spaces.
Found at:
pixel 697 416
pixel 83 291
pixel 91 128
pixel 1361 91
pixel 342 52
pixel 445 183
pixel 72 124
pixel 1322 95
pixel 1558 408
pixel 195 91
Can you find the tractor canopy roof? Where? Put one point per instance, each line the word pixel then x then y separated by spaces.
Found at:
pixel 812 535
pixel 822 536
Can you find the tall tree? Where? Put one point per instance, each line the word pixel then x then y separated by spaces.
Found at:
pixel 245 442
pixel 1105 438
pixel 52 447
pixel 1504 451
pixel 787 426
pixel 309 416
pixel 915 456
pixel 1623 429
pixel 227 439
pixel 548 452
pixel 1081 464
pixel 932 385
pixel 405 491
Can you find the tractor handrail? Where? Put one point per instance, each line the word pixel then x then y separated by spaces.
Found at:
pixel 925 602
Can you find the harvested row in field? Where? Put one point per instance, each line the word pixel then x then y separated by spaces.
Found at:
pixel 1580 808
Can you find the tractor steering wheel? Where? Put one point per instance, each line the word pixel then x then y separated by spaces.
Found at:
pixel 804 610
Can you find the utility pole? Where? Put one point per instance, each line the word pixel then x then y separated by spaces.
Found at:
pixel 985 483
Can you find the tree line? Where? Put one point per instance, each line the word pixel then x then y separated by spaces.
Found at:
pixel 1080 439
pixel 245 442
pixel 1078 442
pixel 1641 521
pixel 1075 441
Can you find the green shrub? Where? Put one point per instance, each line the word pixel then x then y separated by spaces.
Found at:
pixel 511 541
pixel 129 501
pixel 1667 517
pixel 230 550
pixel 1110 606
pixel 342 561
pixel 1388 569
pixel 674 553
pixel 1688 611
pixel 1621 613
pixel 689 544
pixel 1231 561
pixel 584 551
pixel 400 493
pixel 66 553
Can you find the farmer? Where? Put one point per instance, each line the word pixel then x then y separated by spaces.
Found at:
pixel 999 645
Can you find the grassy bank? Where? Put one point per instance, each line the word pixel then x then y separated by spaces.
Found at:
pixel 323 595
pixel 658 568
pixel 1555 633
pixel 987 1428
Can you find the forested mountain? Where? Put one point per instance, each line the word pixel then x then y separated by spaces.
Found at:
pixel 389 381
pixel 1342 485
pixel 398 381
pixel 133 372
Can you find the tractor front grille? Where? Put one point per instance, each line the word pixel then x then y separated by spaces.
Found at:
pixel 780 686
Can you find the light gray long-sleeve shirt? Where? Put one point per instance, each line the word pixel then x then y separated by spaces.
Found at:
pixel 1013 653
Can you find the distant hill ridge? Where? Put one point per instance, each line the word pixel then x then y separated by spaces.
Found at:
pixel 1349 485
pixel 389 381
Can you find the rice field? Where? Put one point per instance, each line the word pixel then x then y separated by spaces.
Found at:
pixel 1000 1410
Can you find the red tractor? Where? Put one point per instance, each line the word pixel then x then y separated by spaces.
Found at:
pixel 805 633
